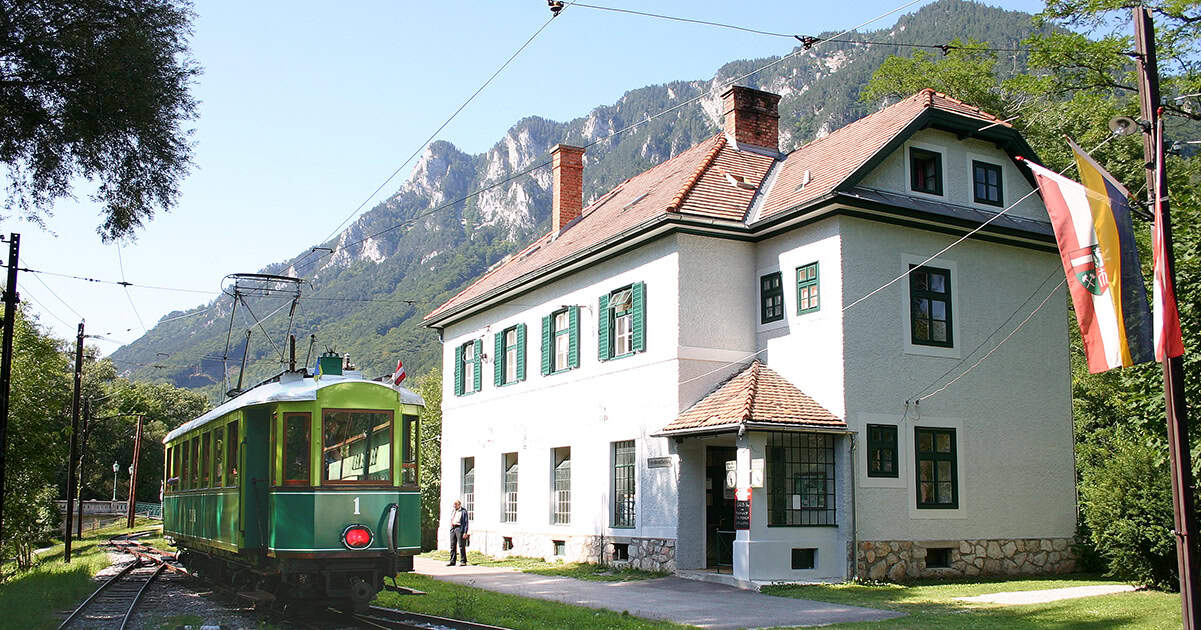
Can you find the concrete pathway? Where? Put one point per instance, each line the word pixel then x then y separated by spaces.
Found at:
pixel 702 604
pixel 1047 595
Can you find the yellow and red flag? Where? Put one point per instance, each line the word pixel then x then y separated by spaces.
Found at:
pixel 1096 242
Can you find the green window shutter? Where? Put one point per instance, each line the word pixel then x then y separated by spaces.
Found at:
pixel 479 361
pixel 459 371
pixel 521 352
pixel 639 324
pixel 604 321
pixel 573 337
pixel 498 360
pixel 548 339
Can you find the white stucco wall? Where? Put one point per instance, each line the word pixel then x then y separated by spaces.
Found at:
pixel 1011 413
pixel 893 173
pixel 587 408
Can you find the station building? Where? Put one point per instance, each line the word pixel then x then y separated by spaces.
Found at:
pixel 767 367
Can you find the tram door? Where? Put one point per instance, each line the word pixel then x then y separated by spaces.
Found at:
pixel 719 509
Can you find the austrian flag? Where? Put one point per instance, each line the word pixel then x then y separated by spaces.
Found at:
pixel 399 374
pixel 1096 242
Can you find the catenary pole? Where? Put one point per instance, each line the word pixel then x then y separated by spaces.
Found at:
pixel 83 449
pixel 1176 410
pixel 74 443
pixel 133 478
pixel 11 299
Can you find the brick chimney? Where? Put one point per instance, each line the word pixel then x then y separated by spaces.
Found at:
pixel 567 170
pixel 752 117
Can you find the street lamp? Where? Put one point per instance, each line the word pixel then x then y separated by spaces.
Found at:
pixel 131 483
pixel 116 467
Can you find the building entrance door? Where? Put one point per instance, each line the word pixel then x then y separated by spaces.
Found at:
pixel 719 509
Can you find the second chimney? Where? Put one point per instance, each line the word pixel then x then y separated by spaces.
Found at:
pixel 567 173
pixel 752 117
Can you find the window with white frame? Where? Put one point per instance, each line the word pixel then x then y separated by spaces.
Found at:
pixel 561 482
pixel 509 488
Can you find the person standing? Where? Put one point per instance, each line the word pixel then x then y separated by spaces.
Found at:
pixel 458 534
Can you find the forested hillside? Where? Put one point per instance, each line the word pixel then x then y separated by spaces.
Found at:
pixel 424 242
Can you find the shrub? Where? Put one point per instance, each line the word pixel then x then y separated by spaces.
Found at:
pixel 1127 502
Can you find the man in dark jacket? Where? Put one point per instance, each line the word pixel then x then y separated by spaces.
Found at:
pixel 458 533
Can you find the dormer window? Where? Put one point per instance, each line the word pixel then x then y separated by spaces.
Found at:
pixel 986 183
pixel 925 171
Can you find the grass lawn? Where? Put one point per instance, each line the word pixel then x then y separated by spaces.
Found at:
pixel 930 605
pixel 511 611
pixel 32 598
pixel 577 570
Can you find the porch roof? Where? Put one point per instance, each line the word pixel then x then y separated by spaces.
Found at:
pixel 758 397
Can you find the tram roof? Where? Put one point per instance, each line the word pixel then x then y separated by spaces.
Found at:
pixel 286 390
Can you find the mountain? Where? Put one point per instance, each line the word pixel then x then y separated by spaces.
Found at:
pixel 430 238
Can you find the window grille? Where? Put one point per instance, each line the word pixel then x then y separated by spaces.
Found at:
pixel 509 514
pixel 800 481
pixel 624 495
pixel 468 489
pixel 562 486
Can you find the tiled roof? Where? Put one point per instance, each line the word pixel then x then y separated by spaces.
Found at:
pixel 831 159
pixel 756 395
pixel 714 180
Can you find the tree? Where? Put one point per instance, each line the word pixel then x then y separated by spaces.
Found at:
pixel 429 385
pixel 38 427
pixel 96 89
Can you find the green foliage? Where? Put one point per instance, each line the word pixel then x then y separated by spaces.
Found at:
pixel 957 73
pixel 38 427
pixel 1128 496
pixel 429 385
pixel 96 90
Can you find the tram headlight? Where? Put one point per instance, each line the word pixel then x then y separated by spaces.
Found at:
pixel 356 537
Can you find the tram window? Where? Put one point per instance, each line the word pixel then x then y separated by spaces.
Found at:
pixel 218 455
pixel 176 467
pixel 184 478
pixel 408 458
pixel 206 447
pixel 357 445
pixel 194 474
pixel 231 462
pixel 296 448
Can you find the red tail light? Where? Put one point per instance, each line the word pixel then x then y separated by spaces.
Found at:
pixel 356 537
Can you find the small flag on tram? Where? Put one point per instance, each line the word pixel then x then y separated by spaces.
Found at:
pixel 399 374
pixel 1168 340
pixel 1096 242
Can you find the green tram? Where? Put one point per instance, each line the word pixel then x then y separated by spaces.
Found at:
pixel 301 489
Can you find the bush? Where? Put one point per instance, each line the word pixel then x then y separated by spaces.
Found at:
pixel 1127 502
pixel 29 522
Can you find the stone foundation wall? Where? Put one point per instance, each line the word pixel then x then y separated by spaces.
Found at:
pixel 899 560
pixel 649 554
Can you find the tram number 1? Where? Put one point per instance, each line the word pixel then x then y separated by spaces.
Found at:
pixel 356 506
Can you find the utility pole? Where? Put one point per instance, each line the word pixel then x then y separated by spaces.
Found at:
pixel 74 442
pixel 1173 367
pixel 11 299
pixel 83 449
pixel 133 477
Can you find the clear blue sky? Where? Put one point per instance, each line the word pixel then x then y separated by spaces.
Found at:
pixel 306 108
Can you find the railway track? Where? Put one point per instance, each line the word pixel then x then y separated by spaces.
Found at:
pixel 116 601
pixel 117 598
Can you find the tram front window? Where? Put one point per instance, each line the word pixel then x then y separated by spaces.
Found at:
pixel 357 446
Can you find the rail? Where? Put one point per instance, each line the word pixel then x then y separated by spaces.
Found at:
pixel 119 596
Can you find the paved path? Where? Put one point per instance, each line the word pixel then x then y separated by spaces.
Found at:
pixel 1048 595
pixel 702 604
